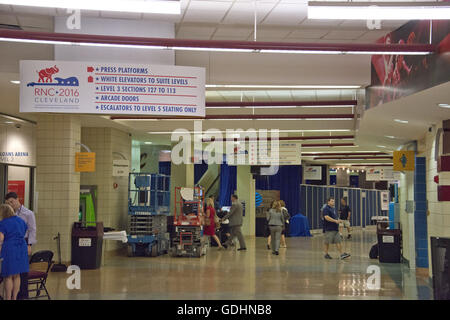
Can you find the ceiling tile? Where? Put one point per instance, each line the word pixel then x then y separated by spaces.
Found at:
pixel 5 8
pixel 343 35
pixel 227 31
pixel 286 14
pixel 41 22
pixel 34 10
pixel 206 11
pixel 226 38
pixel 8 19
pixel 308 34
pixel 320 23
pixel 271 33
pixel 243 12
pixel 373 35
pixel 191 32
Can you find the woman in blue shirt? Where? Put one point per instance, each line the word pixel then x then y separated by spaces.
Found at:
pixel 13 250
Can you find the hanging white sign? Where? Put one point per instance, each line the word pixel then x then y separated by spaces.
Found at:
pixel 312 172
pixel 111 88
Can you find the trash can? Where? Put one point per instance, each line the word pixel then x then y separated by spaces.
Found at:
pixel 440 262
pixel 87 244
pixel 389 242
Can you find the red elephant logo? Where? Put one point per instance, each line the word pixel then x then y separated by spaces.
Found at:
pixel 46 74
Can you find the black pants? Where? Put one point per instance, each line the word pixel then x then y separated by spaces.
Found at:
pixel 23 292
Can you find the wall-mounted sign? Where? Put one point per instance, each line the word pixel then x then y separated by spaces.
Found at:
pixel 121 168
pixel 373 174
pixel 312 172
pixel 384 200
pixel 17 146
pixel 85 162
pixel 388 174
pixel 111 88
pixel 404 160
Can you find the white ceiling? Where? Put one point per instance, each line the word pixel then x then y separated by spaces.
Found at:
pixel 277 20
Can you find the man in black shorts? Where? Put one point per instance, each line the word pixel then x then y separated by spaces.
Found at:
pixel 331 227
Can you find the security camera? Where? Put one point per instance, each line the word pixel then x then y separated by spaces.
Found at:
pixel 18 126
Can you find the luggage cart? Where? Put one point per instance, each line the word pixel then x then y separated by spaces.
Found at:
pixel 148 208
pixel 188 240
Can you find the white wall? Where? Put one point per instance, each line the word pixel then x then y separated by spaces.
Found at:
pixel 14 140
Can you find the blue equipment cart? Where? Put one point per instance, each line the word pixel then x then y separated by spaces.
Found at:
pixel 148 208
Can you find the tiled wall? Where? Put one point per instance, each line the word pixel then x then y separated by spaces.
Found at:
pixel 420 213
pixel 112 204
pixel 57 183
pixel 439 217
pixel 406 192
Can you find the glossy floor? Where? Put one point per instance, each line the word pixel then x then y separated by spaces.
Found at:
pixel 299 272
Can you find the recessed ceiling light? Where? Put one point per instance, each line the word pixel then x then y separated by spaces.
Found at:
pixel 15 81
pixel 401 121
pixel 444 105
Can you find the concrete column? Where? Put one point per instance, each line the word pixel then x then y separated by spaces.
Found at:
pixel 57 183
pixel 112 203
pixel 246 192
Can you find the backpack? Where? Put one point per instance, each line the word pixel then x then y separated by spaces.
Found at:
pixel 373 254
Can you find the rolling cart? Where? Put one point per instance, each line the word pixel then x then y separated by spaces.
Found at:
pixel 187 240
pixel 148 208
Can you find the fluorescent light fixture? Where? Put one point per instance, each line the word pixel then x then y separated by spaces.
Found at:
pixel 157 7
pixel 286 131
pixel 9 122
pixel 343 106
pixel 15 81
pixel 379 10
pixel 401 121
pixel 148 142
pixel 262 86
pixel 381 146
pixel 390 137
pixel 444 105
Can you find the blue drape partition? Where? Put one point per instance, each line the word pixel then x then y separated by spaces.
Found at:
pixel 228 182
pixel 164 167
pixel 288 181
pixel 199 171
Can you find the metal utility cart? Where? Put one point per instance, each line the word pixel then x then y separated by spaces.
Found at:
pixel 148 208
pixel 188 239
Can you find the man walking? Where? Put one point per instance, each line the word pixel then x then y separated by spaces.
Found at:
pixel 235 218
pixel 30 235
pixel 331 227
pixel 344 215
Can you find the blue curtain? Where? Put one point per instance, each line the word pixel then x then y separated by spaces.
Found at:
pixel 228 182
pixel 288 181
pixel 164 167
pixel 199 171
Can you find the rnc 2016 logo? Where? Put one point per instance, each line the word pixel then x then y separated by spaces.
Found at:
pixel 45 78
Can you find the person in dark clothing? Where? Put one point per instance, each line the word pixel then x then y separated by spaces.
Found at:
pixel 344 216
pixel 331 227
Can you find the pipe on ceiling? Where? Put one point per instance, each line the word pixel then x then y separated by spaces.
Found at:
pixel 218 44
